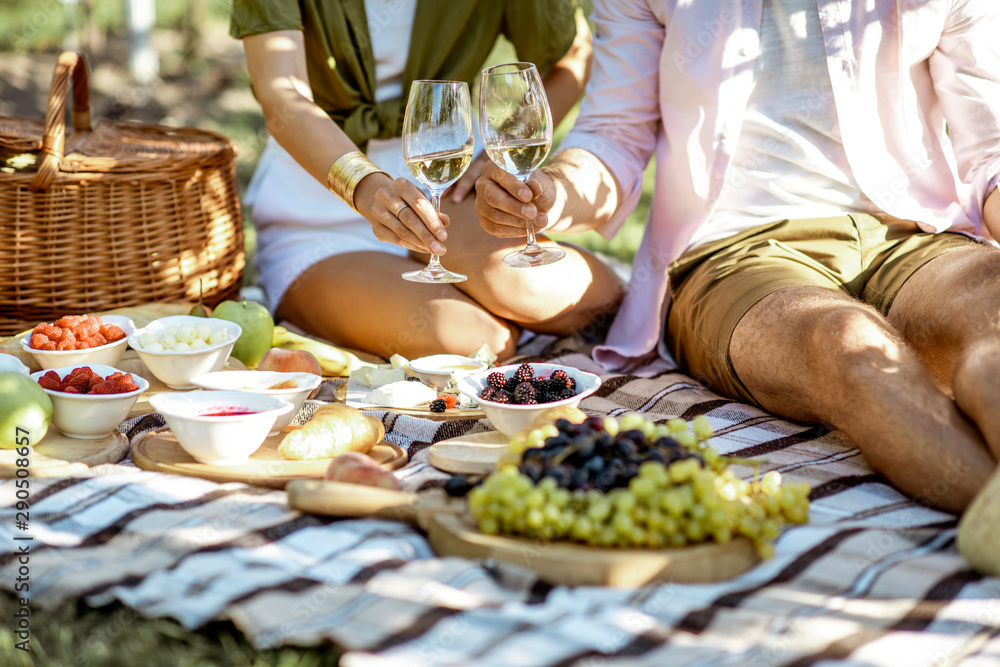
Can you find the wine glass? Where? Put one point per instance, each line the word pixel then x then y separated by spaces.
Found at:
pixel 437 148
pixel 516 125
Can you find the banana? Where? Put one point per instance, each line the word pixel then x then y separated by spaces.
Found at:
pixel 335 361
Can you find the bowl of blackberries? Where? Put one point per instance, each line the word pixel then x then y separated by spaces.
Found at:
pixel 512 396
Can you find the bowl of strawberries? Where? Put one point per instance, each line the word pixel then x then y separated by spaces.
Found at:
pixel 90 402
pixel 75 340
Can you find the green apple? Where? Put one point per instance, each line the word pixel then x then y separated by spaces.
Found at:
pixel 25 411
pixel 257 325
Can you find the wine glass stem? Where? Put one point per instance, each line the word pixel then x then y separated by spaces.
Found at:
pixel 435 263
pixel 531 246
pixel 530 227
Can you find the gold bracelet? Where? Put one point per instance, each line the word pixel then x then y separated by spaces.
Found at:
pixel 347 172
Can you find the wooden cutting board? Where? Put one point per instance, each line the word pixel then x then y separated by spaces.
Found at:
pixel 160 451
pixel 58 456
pixel 452 532
pixel 419 411
pixel 474 454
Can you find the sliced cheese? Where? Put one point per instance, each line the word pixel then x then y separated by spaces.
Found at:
pixel 375 376
pixel 379 376
pixel 404 394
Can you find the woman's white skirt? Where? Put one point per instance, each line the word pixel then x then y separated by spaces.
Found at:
pixel 299 222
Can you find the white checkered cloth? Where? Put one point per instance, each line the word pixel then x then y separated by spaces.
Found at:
pixel 873 579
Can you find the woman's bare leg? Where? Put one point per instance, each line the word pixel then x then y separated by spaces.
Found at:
pixel 572 294
pixel 360 301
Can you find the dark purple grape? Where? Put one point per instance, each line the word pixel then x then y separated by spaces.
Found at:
pixel 458 486
pixel 616 466
pixel 555 441
pixel 604 441
pixel 533 454
pixel 580 479
pixel 626 449
pixel 630 471
pixel 561 474
pixel 594 422
pixel 605 480
pixel 565 426
pixel 533 469
pixel 655 455
pixel 635 435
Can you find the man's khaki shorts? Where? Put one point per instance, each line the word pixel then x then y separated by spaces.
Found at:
pixel 714 285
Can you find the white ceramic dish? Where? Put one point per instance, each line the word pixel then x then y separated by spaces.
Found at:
pixel 509 418
pixel 219 440
pixel 8 362
pixel 436 369
pixel 261 382
pixel 175 369
pixel 108 355
pixel 90 416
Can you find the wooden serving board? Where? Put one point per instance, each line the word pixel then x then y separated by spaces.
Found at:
pixel 452 532
pixel 357 501
pixel 160 451
pixel 571 564
pixel 473 454
pixel 420 411
pixel 59 456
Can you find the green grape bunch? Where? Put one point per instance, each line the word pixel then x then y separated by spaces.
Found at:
pixel 632 483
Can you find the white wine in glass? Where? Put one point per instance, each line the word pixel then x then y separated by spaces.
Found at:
pixel 437 148
pixel 516 124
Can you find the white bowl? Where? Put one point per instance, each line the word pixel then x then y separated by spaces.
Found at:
pixel 175 369
pixel 8 362
pixel 509 418
pixel 108 355
pixel 260 382
pixel 436 369
pixel 219 440
pixel 90 416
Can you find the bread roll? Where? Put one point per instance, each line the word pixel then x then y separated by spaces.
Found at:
pixel 335 428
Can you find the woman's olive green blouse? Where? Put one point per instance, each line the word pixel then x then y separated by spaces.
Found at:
pixel 450 41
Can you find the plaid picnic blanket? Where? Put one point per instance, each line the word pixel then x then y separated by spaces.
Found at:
pixel 872 579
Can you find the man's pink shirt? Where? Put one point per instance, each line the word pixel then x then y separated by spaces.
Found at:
pixel 674 76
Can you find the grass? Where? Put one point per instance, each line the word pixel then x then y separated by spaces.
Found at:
pixel 75 635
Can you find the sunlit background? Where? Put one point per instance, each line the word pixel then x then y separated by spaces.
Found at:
pixel 173 62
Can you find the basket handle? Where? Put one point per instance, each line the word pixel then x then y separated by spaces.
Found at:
pixel 54 143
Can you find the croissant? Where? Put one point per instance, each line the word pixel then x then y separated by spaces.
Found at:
pixel 335 428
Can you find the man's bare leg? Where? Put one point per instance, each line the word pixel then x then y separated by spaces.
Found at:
pixel 815 355
pixel 949 311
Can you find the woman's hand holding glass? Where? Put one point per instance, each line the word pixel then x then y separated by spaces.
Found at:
pixel 401 214
pixel 437 148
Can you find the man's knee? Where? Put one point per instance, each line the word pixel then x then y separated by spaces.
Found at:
pixel 849 341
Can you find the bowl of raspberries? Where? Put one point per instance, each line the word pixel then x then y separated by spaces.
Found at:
pixel 89 402
pixel 75 340
pixel 512 396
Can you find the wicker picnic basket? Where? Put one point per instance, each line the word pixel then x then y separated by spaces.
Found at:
pixel 116 215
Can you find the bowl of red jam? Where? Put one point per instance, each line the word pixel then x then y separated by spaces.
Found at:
pixel 220 427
